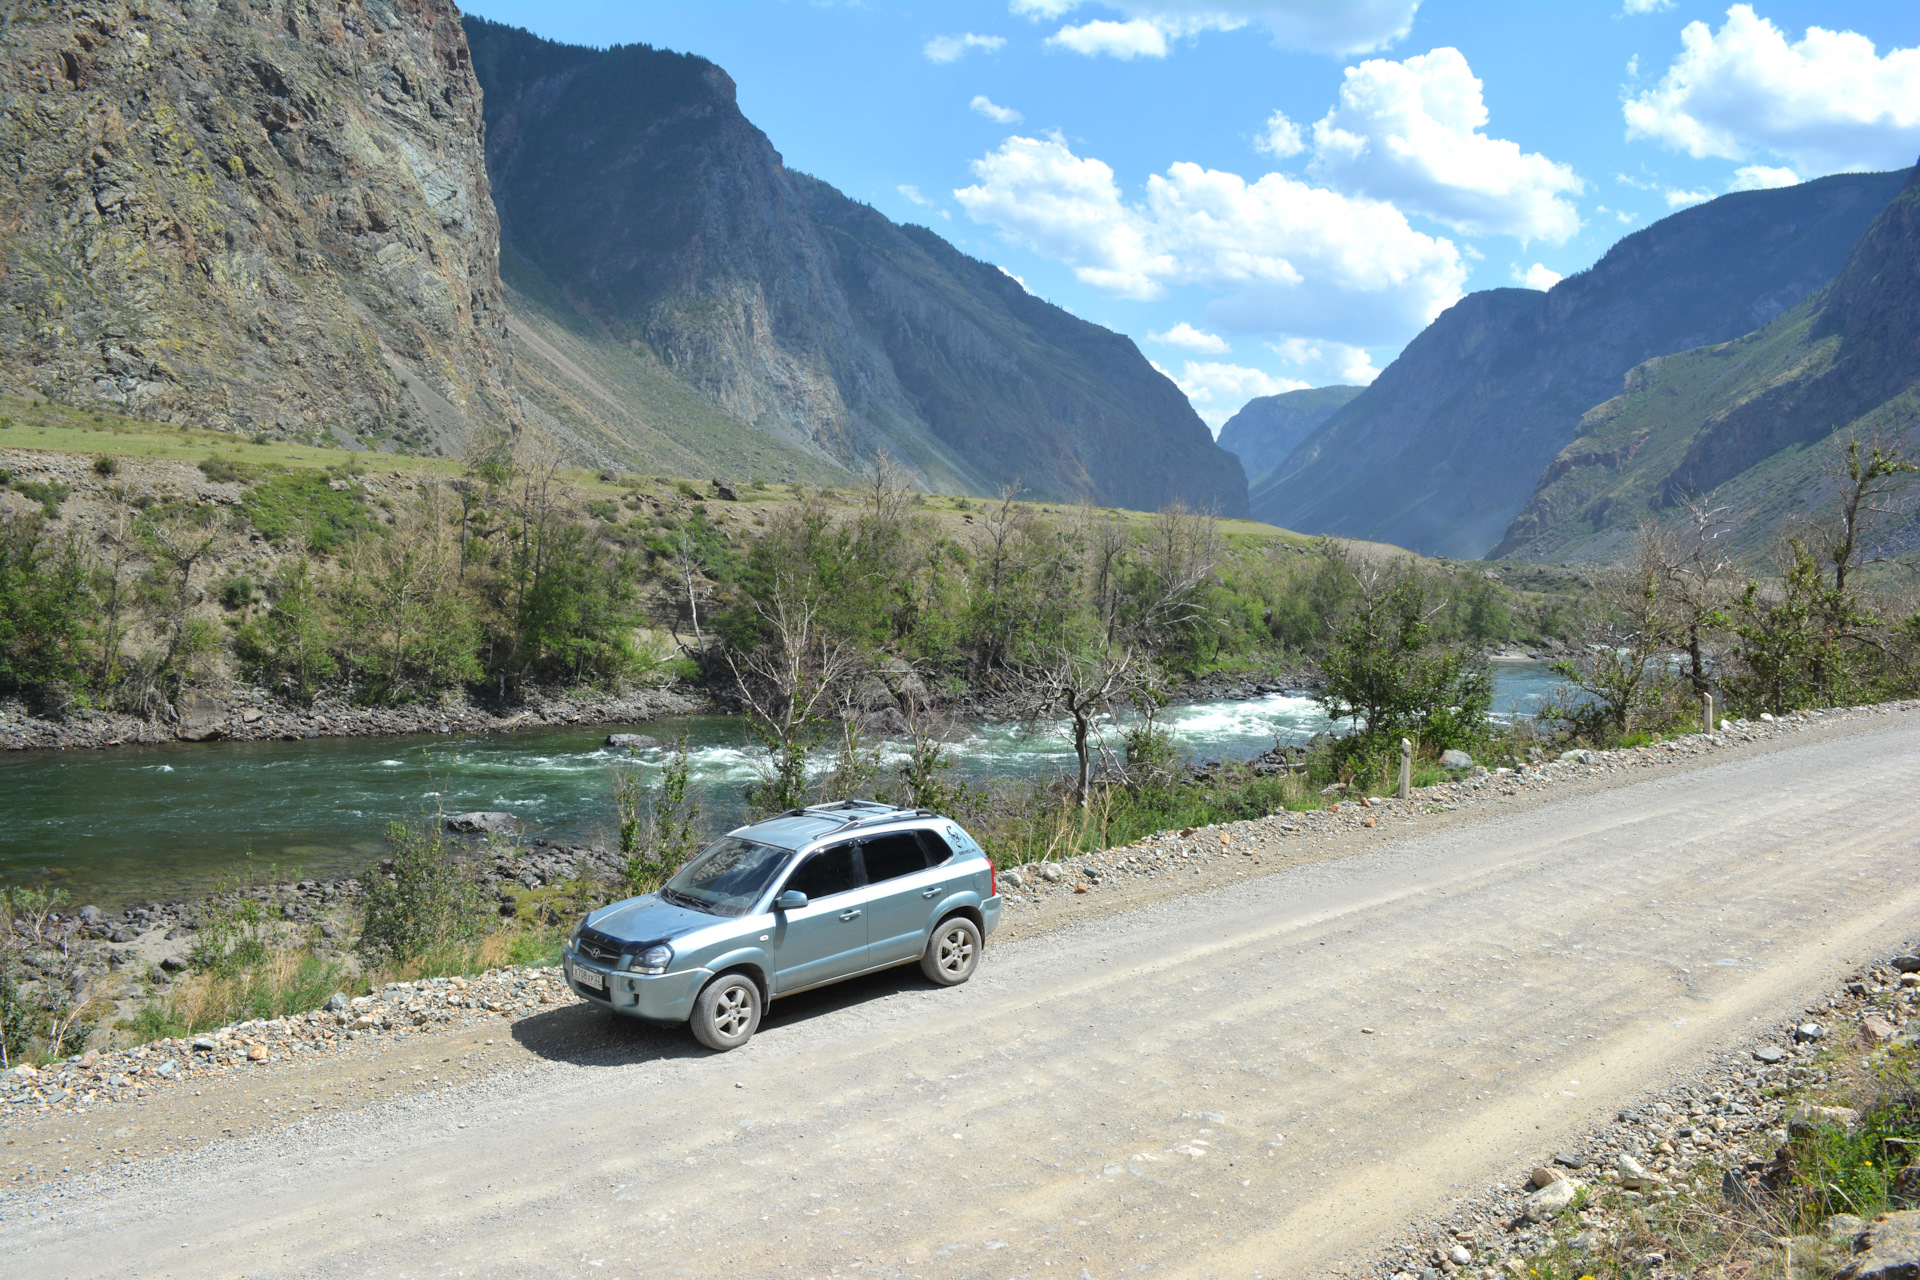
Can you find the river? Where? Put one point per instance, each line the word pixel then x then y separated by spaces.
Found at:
pixel 133 824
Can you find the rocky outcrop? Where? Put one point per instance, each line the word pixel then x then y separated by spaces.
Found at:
pixel 1444 448
pixel 1268 429
pixel 270 217
pixel 637 203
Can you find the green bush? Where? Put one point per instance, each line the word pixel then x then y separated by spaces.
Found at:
pixel 49 496
pixel 105 465
pixel 236 592
pixel 228 470
pixel 301 505
pixel 422 899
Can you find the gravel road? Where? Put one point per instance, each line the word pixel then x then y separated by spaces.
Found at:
pixel 1266 1078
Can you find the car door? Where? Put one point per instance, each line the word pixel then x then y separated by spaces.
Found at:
pixel 827 938
pixel 902 894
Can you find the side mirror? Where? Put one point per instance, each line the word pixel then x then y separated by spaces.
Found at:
pixel 791 900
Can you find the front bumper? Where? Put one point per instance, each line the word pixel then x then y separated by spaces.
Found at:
pixel 656 997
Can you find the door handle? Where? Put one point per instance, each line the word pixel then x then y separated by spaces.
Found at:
pixel 933 891
pixel 849 915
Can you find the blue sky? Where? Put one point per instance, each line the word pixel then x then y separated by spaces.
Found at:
pixel 1267 194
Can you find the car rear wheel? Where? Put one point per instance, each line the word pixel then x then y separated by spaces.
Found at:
pixel 726 1013
pixel 953 952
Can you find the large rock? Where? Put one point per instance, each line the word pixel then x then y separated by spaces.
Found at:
pixel 1889 1249
pixel 480 822
pixel 1553 1198
pixel 202 719
pixel 1455 759
pixel 633 741
pixel 258 217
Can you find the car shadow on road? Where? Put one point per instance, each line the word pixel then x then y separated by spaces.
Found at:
pixel 590 1035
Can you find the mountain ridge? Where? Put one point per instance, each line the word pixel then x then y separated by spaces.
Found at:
pixel 1269 428
pixel 1459 428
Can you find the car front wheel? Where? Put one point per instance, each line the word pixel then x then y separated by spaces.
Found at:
pixel 727 1012
pixel 953 952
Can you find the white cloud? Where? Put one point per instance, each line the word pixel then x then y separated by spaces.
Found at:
pixel 1324 362
pixel 1825 102
pixel 953 48
pixel 1287 256
pixel 1410 132
pixel 1646 6
pixel 1538 276
pixel 1760 177
pixel 1677 199
pixel 1124 40
pixel 1618 215
pixel 1019 280
pixel 1218 391
pixel 1282 138
pixel 985 106
pixel 912 193
pixel 1317 26
pixel 1192 339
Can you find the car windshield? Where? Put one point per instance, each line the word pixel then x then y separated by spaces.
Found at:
pixel 727 877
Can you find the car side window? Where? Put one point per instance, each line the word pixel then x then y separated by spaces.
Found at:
pixel 891 856
pixel 826 873
pixel 938 850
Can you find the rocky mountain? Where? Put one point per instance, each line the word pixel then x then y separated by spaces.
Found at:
pixel 1750 422
pixel 1269 428
pixel 271 217
pixel 647 223
pixel 1444 448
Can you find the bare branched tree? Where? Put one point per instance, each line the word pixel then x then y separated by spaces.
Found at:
pixel 788 683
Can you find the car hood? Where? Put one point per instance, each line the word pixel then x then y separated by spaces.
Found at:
pixel 648 919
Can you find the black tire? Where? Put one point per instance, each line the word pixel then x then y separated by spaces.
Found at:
pixel 953 952
pixel 726 1013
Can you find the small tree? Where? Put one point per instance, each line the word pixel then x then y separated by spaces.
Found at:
pixel 658 828
pixel 422 898
pixel 1623 674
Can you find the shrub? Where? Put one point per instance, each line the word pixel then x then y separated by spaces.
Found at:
pixel 422 898
pixel 49 496
pixel 303 506
pixel 105 465
pixel 228 470
pixel 236 592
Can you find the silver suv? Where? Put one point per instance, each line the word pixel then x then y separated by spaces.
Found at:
pixel 797 901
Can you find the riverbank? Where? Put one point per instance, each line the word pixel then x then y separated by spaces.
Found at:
pixel 251 716
pixel 1039 898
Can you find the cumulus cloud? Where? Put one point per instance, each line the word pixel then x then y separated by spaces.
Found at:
pixel 984 106
pixel 1538 276
pixel 953 48
pixel 1285 255
pixel 1192 339
pixel 911 192
pixel 1282 138
pixel 1825 102
pixel 1760 177
pixel 1411 132
pixel 1323 362
pixel 1635 7
pixel 1150 26
pixel 1218 391
pixel 1678 199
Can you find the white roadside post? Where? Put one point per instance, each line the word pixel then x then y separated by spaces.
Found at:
pixel 1706 713
pixel 1406 769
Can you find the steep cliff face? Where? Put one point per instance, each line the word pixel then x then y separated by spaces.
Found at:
pixel 633 192
pixel 1456 432
pixel 1747 421
pixel 1269 428
pixel 263 215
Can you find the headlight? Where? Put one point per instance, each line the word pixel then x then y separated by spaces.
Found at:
pixel 654 959
pixel 573 939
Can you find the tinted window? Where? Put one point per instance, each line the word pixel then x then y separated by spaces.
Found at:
pixel 938 850
pixel 728 876
pixel 826 873
pixel 895 855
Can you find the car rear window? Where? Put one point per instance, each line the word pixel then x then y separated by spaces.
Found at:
pixel 893 855
pixel 938 850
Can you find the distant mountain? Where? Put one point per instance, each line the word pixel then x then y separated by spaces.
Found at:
pixel 1268 428
pixel 1443 449
pixel 264 218
pixel 655 243
pixel 1748 421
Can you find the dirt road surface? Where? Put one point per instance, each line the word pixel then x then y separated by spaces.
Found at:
pixel 1262 1079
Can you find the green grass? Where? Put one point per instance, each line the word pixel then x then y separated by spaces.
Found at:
pixel 303 504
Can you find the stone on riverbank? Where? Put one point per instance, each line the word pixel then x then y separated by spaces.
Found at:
pixel 633 741
pixel 1891 1249
pixel 479 822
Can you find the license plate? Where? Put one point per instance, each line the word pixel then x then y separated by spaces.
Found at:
pixel 589 978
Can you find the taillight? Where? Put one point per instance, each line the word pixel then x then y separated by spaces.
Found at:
pixel 993 879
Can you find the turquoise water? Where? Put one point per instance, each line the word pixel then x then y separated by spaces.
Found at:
pixel 138 823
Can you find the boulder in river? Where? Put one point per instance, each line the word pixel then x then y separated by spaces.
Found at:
pixel 635 741
pixel 480 822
